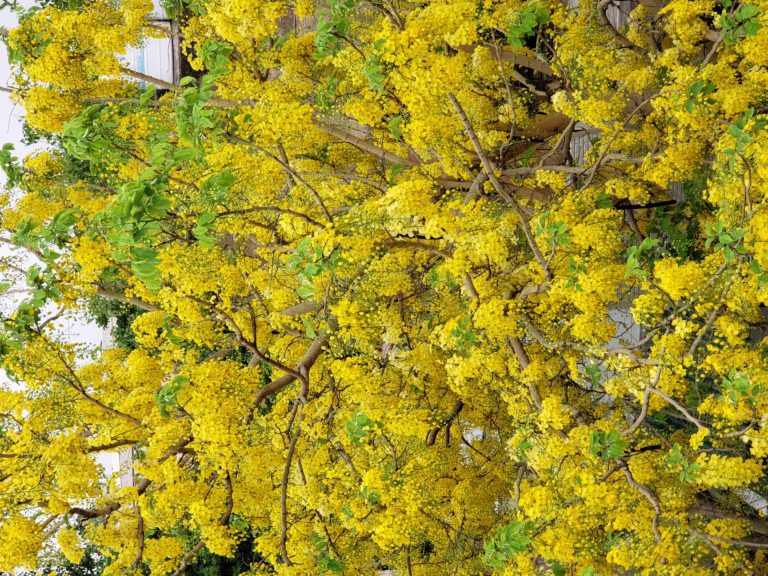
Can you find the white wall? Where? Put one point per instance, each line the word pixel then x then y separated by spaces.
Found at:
pixel 155 57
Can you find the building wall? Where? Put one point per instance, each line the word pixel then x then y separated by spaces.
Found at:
pixel 156 57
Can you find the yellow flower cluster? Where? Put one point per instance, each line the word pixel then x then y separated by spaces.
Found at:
pixel 391 273
pixel 70 545
pixel 20 540
pixel 679 281
pixel 728 471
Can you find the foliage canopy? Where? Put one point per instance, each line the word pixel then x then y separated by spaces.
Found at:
pixel 382 252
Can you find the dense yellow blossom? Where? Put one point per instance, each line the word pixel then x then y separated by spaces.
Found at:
pixel 455 287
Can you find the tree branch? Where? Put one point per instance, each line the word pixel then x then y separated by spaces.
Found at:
pixel 284 485
pixel 490 171
pixel 432 434
pixel 112 295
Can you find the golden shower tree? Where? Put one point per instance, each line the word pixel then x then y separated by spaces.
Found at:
pixel 383 253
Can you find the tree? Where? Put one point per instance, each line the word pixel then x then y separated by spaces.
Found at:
pixel 379 285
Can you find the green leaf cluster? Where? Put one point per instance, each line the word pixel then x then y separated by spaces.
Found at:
pixel 325 563
pixel 742 134
pixel 463 335
pixel 575 269
pixel 9 165
pixel 637 256
pixel 309 263
pixel 739 387
pixel 557 231
pixel 195 121
pixel 334 26
pixel 91 136
pixel 689 472
pixel 740 23
pixel 727 240
pixel 509 540
pixel 203 229
pixel 757 270
pixel 525 22
pixel 698 94
pixel 607 445
pixel 325 95
pixel 358 427
pixel 373 69
pixel 167 396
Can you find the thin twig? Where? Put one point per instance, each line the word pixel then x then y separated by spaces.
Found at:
pixel 284 486
pixel 648 496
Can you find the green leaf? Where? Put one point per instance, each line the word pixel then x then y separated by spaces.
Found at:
pixel 747 11
pixel 607 445
pixel 358 427
pixel 64 220
pixel 508 541
pixel 206 218
pixel 369 496
pixel 303 245
pixel 144 253
pixel 604 201
pixel 675 457
pixel 203 236
pixel 327 564
pixel 185 154
pixel 648 243
pixel 305 292
pixel 524 24
pixel 373 70
pixel 614 450
pixel 167 396
pixel 394 126
pixel 308 328
pixel 393 172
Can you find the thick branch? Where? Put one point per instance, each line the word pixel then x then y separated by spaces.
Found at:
pixel 140 538
pixel 148 79
pixel 516 346
pixel 112 295
pixel 516 59
pixel 365 145
pixel 302 308
pixel 110 507
pixel 432 434
pixel 307 361
pixel 111 445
